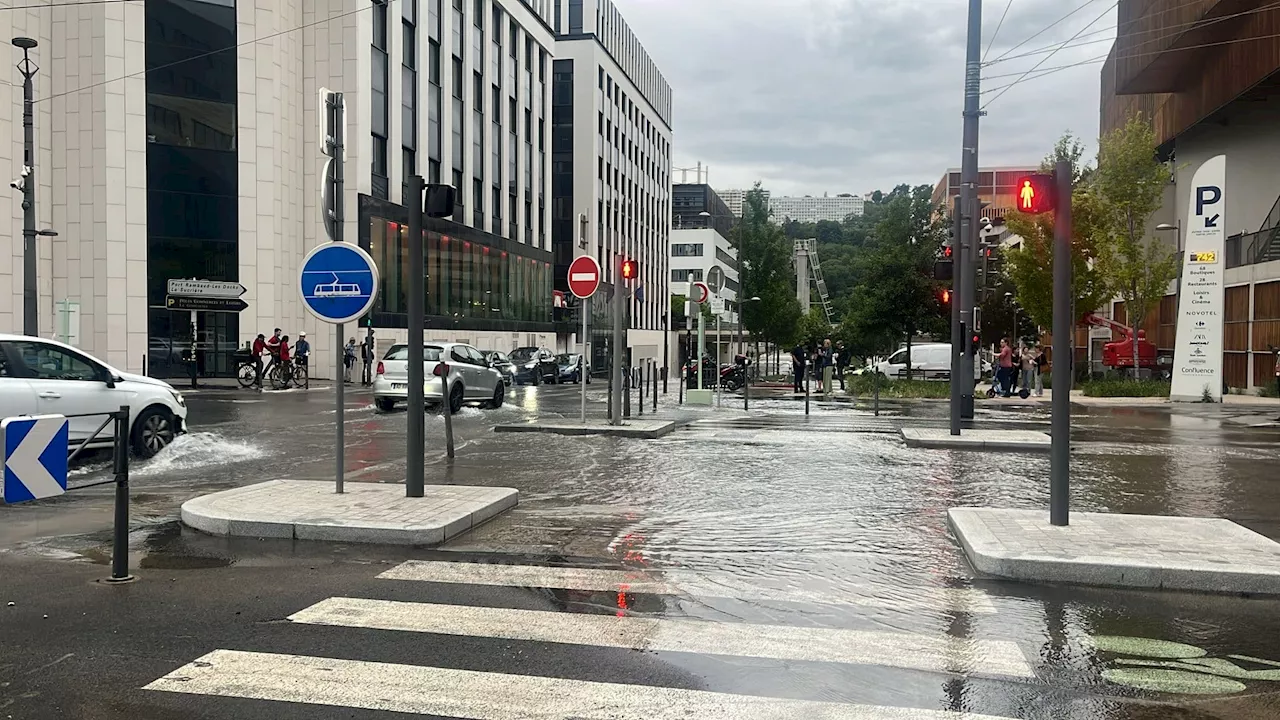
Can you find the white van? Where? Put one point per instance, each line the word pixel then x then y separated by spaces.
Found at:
pixel 930 361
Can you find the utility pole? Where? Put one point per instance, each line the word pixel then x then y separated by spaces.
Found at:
pixel 619 340
pixel 965 264
pixel 957 333
pixel 1063 353
pixel 30 297
pixel 416 441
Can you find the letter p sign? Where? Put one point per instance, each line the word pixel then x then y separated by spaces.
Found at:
pixel 1208 195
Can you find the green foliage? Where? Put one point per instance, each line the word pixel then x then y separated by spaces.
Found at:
pixel 864 386
pixel 766 273
pixel 1116 386
pixel 813 328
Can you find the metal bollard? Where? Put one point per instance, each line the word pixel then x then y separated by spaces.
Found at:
pixel 746 390
pixel 806 395
pixel 120 533
pixel 875 383
pixel 655 387
pixel 448 414
pixel 680 389
pixel 626 393
pixel 640 389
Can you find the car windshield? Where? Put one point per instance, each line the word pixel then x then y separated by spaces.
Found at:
pixel 495 356
pixel 566 359
pixel 524 354
pixel 430 353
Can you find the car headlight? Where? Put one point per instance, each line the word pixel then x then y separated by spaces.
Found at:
pixel 177 397
pixel 531 366
pixel 510 369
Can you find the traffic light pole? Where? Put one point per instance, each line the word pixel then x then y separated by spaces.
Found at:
pixel 619 340
pixel 957 341
pixel 416 436
pixel 1060 435
pixel 965 265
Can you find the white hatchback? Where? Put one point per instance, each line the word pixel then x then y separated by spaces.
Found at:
pixel 471 378
pixel 46 377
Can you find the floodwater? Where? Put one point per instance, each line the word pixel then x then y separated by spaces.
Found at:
pixel 776 517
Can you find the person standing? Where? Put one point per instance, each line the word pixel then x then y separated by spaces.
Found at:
pixel 797 367
pixel 366 354
pixel 828 366
pixel 259 347
pixel 1004 367
pixel 348 359
pixel 842 362
pixel 1041 365
pixel 1028 363
pixel 283 357
pixel 302 350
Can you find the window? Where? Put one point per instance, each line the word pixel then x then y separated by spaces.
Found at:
pixel 686 250
pixel 379 164
pixel 477 192
pixel 683 275
pixel 575 17
pixel 48 362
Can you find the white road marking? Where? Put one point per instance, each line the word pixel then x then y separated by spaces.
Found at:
pixel 491 696
pixel 941 653
pixel 674 583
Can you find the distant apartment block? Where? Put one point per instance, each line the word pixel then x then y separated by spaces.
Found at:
pixel 735 198
pixel 809 209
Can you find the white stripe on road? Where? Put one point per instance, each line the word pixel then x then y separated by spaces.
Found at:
pixel 567 578
pixel 941 653
pixel 491 696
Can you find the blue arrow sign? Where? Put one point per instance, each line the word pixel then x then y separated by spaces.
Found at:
pixel 35 457
pixel 338 282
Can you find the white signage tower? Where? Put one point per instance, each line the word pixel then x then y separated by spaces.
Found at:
pixel 1197 360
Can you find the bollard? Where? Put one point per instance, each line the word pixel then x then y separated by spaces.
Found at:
pixel 875 383
pixel 626 394
pixel 806 395
pixel 746 390
pixel 665 374
pixel 448 414
pixel 610 401
pixel 680 389
pixel 655 387
pixel 640 390
pixel 120 533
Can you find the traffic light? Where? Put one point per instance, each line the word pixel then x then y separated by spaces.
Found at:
pixel 630 270
pixel 1034 194
pixel 944 267
pixel 945 297
pixel 977 343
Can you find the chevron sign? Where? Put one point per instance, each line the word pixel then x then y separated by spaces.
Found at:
pixel 35 457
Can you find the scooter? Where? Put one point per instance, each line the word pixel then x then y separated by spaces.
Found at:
pixel 734 376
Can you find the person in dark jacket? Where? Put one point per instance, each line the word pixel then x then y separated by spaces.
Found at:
pixel 799 357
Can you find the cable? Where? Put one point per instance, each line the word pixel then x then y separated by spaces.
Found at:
pixel 71 3
pixel 996 34
pixel 1050 26
pixel 1046 57
pixel 254 41
pixel 1195 24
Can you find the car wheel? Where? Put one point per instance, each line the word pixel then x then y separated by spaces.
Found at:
pixel 537 378
pixel 384 404
pixel 455 398
pixel 499 394
pixel 154 429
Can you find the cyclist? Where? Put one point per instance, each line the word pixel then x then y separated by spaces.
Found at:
pixel 273 351
pixel 259 347
pixel 302 350
pixel 286 364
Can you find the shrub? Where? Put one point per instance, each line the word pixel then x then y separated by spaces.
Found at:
pixel 1125 387
pixel 864 386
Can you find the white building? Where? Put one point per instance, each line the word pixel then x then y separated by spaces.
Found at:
pixel 611 145
pixel 735 198
pixel 696 252
pixel 207 166
pixel 814 209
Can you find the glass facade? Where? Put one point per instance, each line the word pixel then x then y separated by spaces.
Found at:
pixel 473 279
pixel 192 178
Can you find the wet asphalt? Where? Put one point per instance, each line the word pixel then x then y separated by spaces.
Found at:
pixel 828 511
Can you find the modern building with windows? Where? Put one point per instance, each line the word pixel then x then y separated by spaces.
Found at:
pixel 611 164
pixel 807 209
pixel 700 242
pixel 735 198
pixel 180 139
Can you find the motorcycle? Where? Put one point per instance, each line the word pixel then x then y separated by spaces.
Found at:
pixel 733 377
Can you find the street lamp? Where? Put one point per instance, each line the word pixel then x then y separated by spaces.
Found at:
pixel 1009 298
pixel 27 185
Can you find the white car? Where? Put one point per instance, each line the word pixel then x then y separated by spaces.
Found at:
pixel 471 379
pixel 46 377
pixel 929 361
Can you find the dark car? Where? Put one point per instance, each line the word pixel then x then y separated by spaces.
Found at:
pixel 534 366
pixel 500 362
pixel 570 365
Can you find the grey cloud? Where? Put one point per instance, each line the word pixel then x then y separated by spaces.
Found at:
pixel 815 96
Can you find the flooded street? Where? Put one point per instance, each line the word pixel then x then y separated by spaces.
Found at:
pixel 767 519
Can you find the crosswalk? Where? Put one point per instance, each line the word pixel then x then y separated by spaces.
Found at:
pixel 454 692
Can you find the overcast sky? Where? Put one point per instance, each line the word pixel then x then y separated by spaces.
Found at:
pixel 813 96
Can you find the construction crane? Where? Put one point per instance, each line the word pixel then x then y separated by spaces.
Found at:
pixel 809 270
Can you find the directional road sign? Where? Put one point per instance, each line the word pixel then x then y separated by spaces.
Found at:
pixel 206 288
pixel 584 276
pixel 338 282
pixel 699 292
pixel 206 304
pixel 35 457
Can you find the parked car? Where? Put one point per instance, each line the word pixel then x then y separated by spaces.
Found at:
pixel 46 377
pixel 471 380
pixel 499 361
pixel 570 365
pixel 535 366
pixel 929 361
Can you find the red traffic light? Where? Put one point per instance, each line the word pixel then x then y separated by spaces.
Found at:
pixel 946 252
pixel 630 269
pixel 1034 194
pixel 946 297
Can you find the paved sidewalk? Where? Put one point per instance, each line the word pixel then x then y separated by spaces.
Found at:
pixel 942 439
pixel 364 513
pixel 1143 551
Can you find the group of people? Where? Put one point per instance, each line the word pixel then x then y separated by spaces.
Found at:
pixel 823 361
pixel 279 354
pixel 365 352
pixel 1025 363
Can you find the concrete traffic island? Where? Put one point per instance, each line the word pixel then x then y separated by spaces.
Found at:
pixel 1139 551
pixel 942 439
pixel 365 513
pixel 631 428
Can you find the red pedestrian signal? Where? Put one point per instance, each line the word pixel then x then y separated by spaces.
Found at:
pixel 630 270
pixel 946 252
pixel 1034 194
pixel 946 297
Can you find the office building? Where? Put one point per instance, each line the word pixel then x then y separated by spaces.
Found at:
pixel 611 166
pixel 807 209
pixel 207 165
pixel 700 242
pixel 735 198
pixel 1209 87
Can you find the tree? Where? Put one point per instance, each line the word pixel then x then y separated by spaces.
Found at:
pixel 1131 182
pixel 765 273
pixel 813 328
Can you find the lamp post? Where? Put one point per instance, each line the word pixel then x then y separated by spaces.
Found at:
pixel 27 184
pixel 1009 299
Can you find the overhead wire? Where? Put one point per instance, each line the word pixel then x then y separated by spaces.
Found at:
pixel 228 48
pixel 1050 55
pixel 996 34
pixel 70 3
pixel 1045 29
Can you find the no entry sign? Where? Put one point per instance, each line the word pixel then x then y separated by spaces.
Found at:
pixel 584 276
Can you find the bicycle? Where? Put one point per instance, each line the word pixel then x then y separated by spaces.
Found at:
pixel 246 369
pixel 283 374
